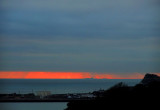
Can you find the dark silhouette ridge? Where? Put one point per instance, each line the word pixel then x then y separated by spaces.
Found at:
pixel 145 95
pixel 150 78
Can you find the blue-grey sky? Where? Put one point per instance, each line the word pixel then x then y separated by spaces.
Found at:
pixel 112 36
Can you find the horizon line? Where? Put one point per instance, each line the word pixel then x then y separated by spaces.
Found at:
pixel 67 75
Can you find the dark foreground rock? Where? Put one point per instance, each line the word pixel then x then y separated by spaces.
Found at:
pixel 145 95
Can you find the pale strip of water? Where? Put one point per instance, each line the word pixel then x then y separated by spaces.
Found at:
pixel 33 106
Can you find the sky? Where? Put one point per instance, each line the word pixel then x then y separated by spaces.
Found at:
pixel 121 37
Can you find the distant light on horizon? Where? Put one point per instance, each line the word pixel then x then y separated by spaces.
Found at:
pixel 66 75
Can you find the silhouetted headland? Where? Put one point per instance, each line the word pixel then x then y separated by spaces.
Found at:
pixel 145 95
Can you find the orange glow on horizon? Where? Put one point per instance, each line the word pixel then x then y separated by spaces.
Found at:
pixel 66 75
pixel 57 75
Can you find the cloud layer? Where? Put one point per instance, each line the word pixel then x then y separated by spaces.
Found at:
pixel 83 36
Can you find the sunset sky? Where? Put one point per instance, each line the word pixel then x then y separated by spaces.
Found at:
pixel 79 38
pixel 67 75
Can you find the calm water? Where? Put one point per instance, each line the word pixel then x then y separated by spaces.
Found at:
pixel 56 86
pixel 33 106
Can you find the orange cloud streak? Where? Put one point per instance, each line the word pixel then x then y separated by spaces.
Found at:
pixel 66 75
pixel 115 76
pixel 57 75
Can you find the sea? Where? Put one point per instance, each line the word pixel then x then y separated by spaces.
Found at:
pixel 55 86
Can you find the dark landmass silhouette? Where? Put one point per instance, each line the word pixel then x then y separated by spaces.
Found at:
pixel 145 95
pixel 149 78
